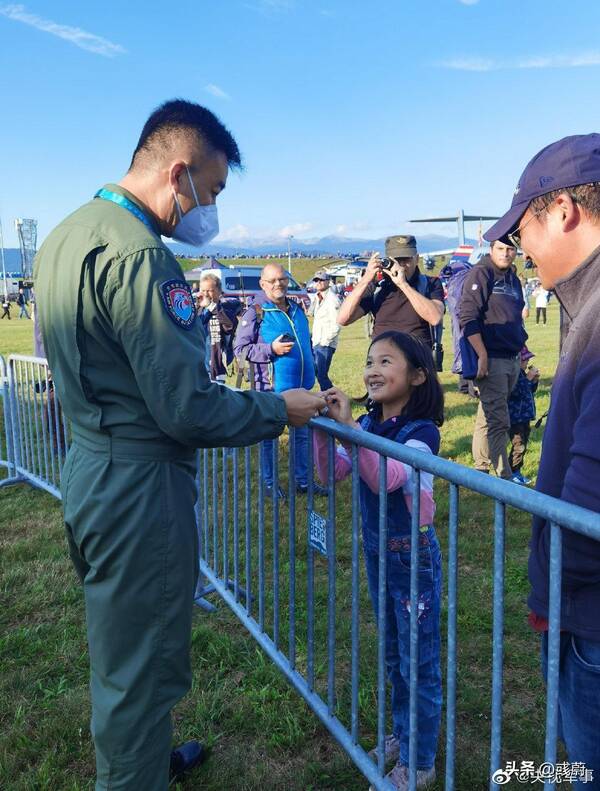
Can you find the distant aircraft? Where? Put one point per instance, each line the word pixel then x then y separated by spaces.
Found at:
pixel 461 218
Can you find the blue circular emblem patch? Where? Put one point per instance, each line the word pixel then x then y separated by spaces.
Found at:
pixel 179 303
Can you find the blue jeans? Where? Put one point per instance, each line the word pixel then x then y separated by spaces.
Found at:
pixel 323 356
pixel 301 458
pixel 397 641
pixel 578 701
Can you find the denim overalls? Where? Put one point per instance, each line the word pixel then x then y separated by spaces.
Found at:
pixel 397 638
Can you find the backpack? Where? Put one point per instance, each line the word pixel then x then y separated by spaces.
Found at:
pixel 435 332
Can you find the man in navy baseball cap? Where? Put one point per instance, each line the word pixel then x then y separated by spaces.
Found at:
pixel 560 183
pixel 555 219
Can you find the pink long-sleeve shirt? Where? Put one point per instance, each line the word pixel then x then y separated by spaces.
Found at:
pixel 399 475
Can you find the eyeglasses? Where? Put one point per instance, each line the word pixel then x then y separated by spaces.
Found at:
pixel 282 280
pixel 515 236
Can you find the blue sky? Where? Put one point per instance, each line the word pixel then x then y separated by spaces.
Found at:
pixel 352 117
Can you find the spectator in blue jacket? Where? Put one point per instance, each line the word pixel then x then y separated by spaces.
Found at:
pixel 273 335
pixel 555 218
pixel 521 408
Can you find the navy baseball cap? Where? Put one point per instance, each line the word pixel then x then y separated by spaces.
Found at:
pixel 569 162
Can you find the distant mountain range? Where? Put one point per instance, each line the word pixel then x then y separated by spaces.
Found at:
pixel 327 245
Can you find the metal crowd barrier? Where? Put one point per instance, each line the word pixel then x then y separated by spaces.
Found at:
pixel 36 436
pixel 254 549
pixel 252 546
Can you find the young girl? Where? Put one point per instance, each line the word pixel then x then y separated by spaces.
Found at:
pixel 405 404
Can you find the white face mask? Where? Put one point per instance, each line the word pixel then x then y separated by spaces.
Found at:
pixel 200 225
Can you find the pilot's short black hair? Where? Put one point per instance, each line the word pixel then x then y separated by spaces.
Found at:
pixel 177 116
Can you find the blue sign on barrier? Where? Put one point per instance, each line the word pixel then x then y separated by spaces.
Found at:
pixel 317 532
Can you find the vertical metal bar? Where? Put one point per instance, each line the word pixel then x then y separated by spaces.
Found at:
pixel 198 511
pixel 553 647
pixel 355 595
pixel 498 631
pixel 38 412
pixel 236 526
pixel 50 419
pixel 30 420
pixel 225 515
pixel 331 564
pixel 9 419
pixel 205 506
pixel 276 543
pixel 261 542
pixel 414 629
pixel 41 395
pixel 452 645
pixel 215 509
pixel 292 543
pixel 23 410
pixel 381 618
pixel 248 523
pixel 310 576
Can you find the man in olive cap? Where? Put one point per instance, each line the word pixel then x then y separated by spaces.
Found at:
pixel 555 219
pixel 398 296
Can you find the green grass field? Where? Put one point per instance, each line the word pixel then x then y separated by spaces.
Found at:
pixel 261 734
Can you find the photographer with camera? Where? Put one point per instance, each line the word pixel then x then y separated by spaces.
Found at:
pixel 398 296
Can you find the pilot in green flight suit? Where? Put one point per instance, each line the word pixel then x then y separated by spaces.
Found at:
pixel 126 355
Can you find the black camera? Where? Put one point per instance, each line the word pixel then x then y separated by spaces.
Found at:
pixel 387 263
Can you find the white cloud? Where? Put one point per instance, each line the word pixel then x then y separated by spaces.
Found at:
pixel 294 230
pixel 236 233
pixel 81 38
pixel 216 91
pixel 591 58
pixel 348 230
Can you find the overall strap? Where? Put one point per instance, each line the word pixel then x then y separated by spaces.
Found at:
pixel 409 428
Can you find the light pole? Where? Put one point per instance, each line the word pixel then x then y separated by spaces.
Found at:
pixel 290 254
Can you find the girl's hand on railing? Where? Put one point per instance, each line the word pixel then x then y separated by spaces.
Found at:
pixel 338 405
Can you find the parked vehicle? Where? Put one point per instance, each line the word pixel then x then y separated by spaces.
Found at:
pixel 242 283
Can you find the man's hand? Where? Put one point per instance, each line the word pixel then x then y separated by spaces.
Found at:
pixel 533 374
pixel 203 301
pixel 302 406
pixel 373 268
pixel 482 366
pixel 281 347
pixel 338 406
pixel 397 274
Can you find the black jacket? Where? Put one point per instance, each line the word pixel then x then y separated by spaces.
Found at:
pixel 492 304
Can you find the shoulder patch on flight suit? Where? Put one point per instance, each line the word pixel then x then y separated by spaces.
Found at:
pixel 179 303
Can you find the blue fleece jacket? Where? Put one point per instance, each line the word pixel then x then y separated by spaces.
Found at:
pixel 257 331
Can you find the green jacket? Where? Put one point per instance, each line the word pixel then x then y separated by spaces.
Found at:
pixel 122 360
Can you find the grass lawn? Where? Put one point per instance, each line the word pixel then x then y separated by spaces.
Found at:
pixel 261 734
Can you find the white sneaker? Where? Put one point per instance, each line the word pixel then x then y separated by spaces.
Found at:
pixel 391 750
pixel 399 777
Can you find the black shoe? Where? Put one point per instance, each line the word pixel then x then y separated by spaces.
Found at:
pixel 185 758
pixel 318 490
pixel 269 492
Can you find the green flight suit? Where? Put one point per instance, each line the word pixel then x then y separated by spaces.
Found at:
pixel 128 365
